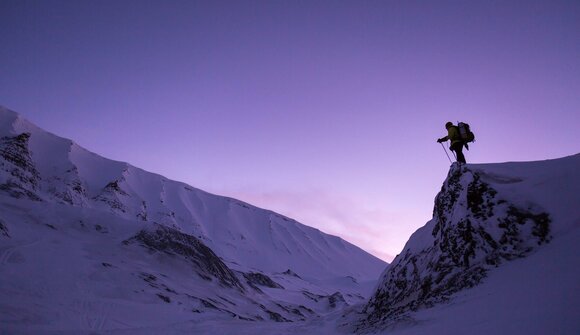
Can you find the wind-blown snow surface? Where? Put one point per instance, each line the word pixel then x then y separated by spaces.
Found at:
pixel 89 244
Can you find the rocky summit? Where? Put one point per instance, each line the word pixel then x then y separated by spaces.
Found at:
pixel 484 216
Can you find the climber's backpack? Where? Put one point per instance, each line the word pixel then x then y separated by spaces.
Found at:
pixel 465 133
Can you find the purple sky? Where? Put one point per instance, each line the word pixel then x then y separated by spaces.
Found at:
pixel 325 111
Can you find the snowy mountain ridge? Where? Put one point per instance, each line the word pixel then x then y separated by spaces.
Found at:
pixel 50 168
pixel 88 244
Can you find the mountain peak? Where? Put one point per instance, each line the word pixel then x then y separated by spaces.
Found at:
pixel 117 235
pixel 43 166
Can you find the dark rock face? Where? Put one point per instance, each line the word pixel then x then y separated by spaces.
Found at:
pixel 255 278
pixel 3 229
pixel 291 273
pixel 20 178
pixel 336 299
pixel 332 301
pixel 473 231
pixel 173 242
pixel 277 316
pixel 142 215
pixel 112 195
pixel 15 150
pixel 23 179
pixel 68 188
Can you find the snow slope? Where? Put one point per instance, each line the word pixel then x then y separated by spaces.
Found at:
pixel 57 170
pixel 89 245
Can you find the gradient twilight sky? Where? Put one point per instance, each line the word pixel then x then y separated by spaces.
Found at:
pixel 325 111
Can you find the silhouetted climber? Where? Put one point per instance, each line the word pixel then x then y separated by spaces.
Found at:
pixel 457 143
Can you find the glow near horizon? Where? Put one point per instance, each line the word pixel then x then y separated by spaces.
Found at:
pixel 326 112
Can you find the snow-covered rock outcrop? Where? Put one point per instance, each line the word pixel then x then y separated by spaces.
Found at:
pixel 204 261
pixel 484 216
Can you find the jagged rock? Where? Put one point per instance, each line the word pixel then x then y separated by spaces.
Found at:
pixel 208 304
pixel 291 273
pixel 111 195
pixel 101 229
pixel 164 298
pixel 333 300
pixel 15 150
pixel 472 230
pixel 68 188
pixel 312 296
pixel 308 310
pixel 174 242
pixel 23 178
pixel 3 229
pixel 142 215
pixel 292 310
pixel 113 187
pixel 255 278
pixel 277 316
pixel 336 299
pixel 149 278
pixel 18 191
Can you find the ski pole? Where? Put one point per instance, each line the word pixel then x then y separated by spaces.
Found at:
pixel 442 146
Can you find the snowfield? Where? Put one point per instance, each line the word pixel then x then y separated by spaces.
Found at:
pixel 94 246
